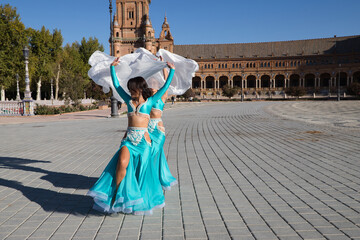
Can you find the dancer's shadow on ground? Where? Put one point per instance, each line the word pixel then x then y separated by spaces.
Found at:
pixel 50 200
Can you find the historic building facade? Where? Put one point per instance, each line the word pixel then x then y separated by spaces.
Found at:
pixel 255 67
pixel 273 66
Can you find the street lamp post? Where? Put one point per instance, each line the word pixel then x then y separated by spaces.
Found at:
pixel 338 89
pixel 242 87
pixel 17 88
pixel 114 101
pixel 28 102
pixel 52 92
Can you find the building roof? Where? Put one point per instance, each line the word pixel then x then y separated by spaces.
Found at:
pixel 343 45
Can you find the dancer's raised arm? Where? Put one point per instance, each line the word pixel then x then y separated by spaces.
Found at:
pixel 116 83
pixel 164 88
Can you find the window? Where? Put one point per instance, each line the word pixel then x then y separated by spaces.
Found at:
pixel 131 14
pixel 117 34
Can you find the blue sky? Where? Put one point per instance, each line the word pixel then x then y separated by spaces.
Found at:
pixel 202 21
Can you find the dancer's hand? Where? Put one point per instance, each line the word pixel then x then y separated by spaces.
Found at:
pixel 171 65
pixel 116 61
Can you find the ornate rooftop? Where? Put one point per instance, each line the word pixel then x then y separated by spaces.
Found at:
pixel 321 46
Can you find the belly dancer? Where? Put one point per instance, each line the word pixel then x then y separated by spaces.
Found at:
pixel 127 185
pixel 157 134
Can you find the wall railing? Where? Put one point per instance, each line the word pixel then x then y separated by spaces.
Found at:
pixel 11 108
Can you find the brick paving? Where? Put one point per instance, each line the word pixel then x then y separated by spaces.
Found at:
pixel 243 171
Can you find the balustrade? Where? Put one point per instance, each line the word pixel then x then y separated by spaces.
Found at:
pixel 11 108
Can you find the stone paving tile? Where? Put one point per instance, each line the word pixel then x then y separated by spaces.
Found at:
pixel 245 171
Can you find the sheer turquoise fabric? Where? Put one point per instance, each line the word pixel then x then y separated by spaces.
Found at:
pixel 160 166
pixel 139 192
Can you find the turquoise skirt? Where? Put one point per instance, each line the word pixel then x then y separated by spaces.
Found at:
pixel 161 166
pixel 139 192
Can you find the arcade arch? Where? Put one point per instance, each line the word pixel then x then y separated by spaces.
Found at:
pixel 294 80
pixel 265 81
pixel 210 82
pixel 223 80
pixel 237 81
pixel 279 81
pixel 251 81
pixel 309 80
pixel 196 82
pixel 325 79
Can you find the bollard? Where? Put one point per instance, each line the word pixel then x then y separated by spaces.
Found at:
pixel 114 107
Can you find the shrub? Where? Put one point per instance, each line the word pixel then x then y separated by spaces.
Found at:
pixel 228 91
pixel 295 91
pixel 354 89
pixel 50 110
pixel 188 94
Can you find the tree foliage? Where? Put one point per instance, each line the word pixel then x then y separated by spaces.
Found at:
pixel 354 89
pixel 295 91
pixel 12 41
pixel 48 59
pixel 188 94
pixel 228 91
pixel 72 80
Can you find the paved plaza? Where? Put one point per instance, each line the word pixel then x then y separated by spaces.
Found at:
pixel 252 170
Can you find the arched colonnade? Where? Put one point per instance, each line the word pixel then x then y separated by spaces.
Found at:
pixel 274 81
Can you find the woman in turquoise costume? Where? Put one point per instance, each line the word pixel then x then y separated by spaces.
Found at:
pixel 157 134
pixel 128 184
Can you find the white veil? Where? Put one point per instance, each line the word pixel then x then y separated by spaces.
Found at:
pixel 142 63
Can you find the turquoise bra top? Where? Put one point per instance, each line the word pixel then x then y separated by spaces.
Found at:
pixel 145 107
pixel 159 105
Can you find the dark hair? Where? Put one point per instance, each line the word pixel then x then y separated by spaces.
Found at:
pixel 139 84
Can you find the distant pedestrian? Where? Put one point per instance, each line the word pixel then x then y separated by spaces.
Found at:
pixel 172 100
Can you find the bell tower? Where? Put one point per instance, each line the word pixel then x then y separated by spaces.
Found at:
pixel 133 29
pixel 129 25
pixel 166 41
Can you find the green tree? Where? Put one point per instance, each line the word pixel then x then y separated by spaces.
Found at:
pixel 57 56
pixel 41 47
pixel 295 91
pixel 86 49
pixel 188 94
pixel 228 91
pixel 354 89
pixel 12 41
pixel 72 80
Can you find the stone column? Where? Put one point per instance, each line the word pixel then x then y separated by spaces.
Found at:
pixel 230 80
pixel 202 80
pixel 216 82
